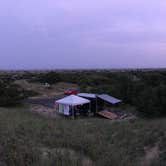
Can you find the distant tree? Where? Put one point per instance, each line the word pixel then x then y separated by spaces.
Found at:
pixel 152 101
pixel 51 78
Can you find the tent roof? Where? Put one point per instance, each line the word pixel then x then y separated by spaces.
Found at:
pixel 109 99
pixel 73 100
pixel 88 95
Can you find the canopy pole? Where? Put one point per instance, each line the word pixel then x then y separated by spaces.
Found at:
pixel 89 108
pixel 73 112
pixel 96 106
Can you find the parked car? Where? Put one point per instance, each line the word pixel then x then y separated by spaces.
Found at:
pixel 71 91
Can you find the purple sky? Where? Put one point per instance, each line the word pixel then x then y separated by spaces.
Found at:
pixel 40 34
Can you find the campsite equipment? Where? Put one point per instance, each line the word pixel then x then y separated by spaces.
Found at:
pixel 108 115
pixel 93 99
pixel 104 100
pixel 69 103
pixel 97 104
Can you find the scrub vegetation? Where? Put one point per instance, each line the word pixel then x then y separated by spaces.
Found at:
pixel 10 94
pixel 30 139
pixel 143 89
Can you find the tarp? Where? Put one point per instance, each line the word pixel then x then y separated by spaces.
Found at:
pixel 108 115
pixel 73 100
pixel 87 95
pixel 109 99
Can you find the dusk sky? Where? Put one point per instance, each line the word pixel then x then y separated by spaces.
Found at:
pixel 51 34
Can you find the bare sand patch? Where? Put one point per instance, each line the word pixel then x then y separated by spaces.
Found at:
pixel 63 153
pixel 150 155
pixel 49 112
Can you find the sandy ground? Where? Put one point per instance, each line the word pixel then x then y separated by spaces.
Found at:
pixel 150 155
pixel 74 155
pixel 54 90
pixel 49 112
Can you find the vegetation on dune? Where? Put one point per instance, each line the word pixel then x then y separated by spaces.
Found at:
pixel 50 77
pixel 30 139
pixel 10 94
pixel 144 89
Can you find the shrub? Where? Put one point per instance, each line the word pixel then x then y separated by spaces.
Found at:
pixel 10 94
pixel 51 78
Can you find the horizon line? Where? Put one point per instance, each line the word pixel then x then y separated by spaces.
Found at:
pixel 77 69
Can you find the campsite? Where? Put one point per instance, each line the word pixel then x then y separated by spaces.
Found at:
pixel 83 83
pixel 103 124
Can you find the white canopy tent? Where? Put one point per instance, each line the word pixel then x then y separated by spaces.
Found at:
pixel 73 100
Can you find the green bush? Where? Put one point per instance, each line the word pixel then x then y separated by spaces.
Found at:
pixel 50 77
pixel 10 94
pixel 143 89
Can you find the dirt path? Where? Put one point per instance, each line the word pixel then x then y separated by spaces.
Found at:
pixel 46 111
pixel 63 153
pixel 150 155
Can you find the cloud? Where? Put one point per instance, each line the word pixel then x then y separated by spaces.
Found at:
pixel 74 33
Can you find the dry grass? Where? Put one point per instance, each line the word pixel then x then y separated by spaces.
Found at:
pixel 25 134
pixel 72 154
